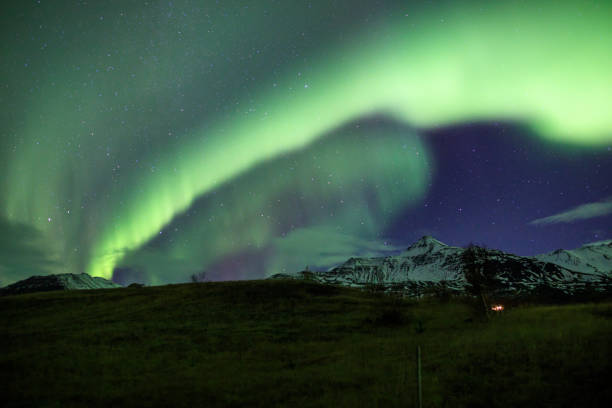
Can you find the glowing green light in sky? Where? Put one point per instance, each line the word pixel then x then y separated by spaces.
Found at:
pixel 322 187
pixel 471 67
pixel 544 64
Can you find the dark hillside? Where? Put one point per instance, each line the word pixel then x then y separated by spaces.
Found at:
pixel 292 343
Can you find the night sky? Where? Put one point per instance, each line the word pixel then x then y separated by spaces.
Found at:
pixel 152 140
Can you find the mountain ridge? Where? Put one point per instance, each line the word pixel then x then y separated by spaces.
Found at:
pixel 63 281
pixel 429 262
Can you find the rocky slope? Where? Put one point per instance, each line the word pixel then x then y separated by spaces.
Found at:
pixel 429 263
pixel 595 258
pixel 65 281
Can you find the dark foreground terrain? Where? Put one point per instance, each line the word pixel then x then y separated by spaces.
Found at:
pixel 288 343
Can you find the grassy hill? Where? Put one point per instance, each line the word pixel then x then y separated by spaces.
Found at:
pixel 288 343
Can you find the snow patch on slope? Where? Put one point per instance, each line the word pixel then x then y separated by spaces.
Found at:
pixel 594 258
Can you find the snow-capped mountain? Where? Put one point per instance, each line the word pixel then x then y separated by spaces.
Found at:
pixel 429 262
pixel 426 260
pixel 64 281
pixel 590 258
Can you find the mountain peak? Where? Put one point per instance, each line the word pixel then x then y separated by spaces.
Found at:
pixel 426 243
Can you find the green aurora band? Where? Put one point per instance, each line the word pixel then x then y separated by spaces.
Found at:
pixel 318 190
pixel 545 64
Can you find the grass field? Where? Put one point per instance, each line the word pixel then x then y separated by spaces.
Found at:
pixel 288 343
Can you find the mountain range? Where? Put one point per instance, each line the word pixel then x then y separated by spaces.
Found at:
pixel 64 281
pixel 429 263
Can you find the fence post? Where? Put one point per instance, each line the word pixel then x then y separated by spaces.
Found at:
pixel 419 392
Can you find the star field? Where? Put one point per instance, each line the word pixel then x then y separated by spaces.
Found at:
pixel 154 140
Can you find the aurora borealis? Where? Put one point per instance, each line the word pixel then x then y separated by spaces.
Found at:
pixel 155 140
